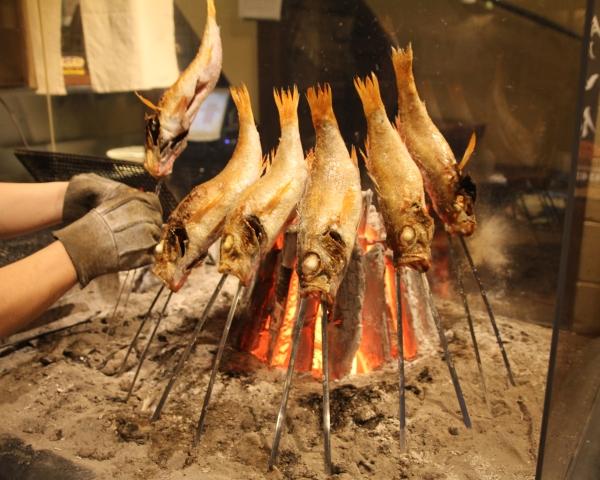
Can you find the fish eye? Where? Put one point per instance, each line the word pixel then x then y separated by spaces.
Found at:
pixel 408 235
pixel 227 243
pixel 153 128
pixel 311 263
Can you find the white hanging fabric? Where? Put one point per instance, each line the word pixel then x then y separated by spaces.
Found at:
pixel 129 44
pixel 43 24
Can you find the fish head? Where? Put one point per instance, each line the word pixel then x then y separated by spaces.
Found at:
pixel 413 239
pixel 164 143
pixel 462 218
pixel 241 247
pixel 173 259
pixel 321 265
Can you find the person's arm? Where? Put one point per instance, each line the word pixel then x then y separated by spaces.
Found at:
pixel 26 207
pixel 32 284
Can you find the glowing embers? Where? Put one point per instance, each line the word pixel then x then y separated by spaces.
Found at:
pixel 362 330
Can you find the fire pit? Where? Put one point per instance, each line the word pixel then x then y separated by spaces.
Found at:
pixel 363 329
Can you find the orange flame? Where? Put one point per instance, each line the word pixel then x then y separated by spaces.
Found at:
pixel 367 357
pixel 284 338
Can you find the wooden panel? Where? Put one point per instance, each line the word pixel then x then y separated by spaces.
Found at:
pixel 587 306
pixel 13 61
pixel 589 260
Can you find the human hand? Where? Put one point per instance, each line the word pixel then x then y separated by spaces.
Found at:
pixel 86 191
pixel 119 234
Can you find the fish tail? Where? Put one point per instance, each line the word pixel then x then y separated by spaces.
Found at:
pixel 368 91
pixel 241 98
pixel 402 60
pixel 287 105
pixel 321 104
pixel 353 155
pixel 211 11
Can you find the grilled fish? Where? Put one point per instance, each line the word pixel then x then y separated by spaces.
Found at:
pixel 198 220
pixel 452 193
pixel 398 183
pixel 331 206
pixel 168 125
pixel 263 210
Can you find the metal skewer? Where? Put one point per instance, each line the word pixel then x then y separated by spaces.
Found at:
pixel 402 389
pixel 461 290
pixel 139 330
pixel 145 352
pixel 326 415
pixel 489 310
pixel 216 363
pixel 299 323
pixel 186 353
pixel 436 317
pixel 129 290
pixel 121 290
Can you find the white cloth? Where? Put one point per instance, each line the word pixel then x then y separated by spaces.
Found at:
pixel 46 57
pixel 129 44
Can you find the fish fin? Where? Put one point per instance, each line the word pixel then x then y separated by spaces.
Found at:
pixel 402 60
pixel 399 129
pixel 310 158
pixel 211 11
pixel 353 155
pixel 375 184
pixel 368 91
pixel 147 102
pixel 267 162
pixel 241 98
pixel 321 104
pixel 365 153
pixel 468 152
pixel 287 105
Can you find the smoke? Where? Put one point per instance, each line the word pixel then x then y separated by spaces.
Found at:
pixel 489 245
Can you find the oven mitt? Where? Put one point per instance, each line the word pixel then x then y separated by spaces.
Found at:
pixel 119 234
pixel 87 191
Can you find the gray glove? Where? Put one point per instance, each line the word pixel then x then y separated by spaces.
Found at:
pixel 87 191
pixel 119 234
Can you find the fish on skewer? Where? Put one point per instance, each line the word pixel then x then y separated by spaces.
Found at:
pixel 198 220
pixel 452 192
pixel 168 125
pixel 329 214
pixel 330 209
pixel 398 183
pixel 265 208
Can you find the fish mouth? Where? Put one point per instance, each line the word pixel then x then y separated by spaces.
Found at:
pixel 465 227
pixel 176 284
pixel 421 263
pixel 159 161
pixel 243 273
pixel 159 166
pixel 462 224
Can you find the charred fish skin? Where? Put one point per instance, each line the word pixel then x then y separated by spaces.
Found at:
pixel 264 209
pixel 452 194
pixel 168 125
pixel 398 183
pixel 330 208
pixel 198 220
